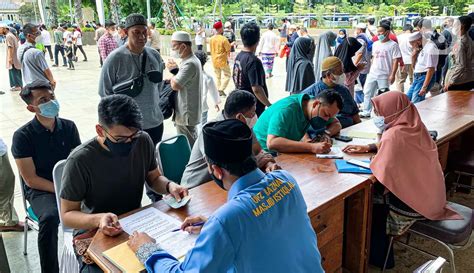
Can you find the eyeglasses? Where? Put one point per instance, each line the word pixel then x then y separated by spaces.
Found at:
pixel 123 139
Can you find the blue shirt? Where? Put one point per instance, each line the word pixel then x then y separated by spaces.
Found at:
pixel 349 107
pixel 263 227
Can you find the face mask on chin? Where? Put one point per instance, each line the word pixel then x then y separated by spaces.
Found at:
pixel 218 181
pixel 251 121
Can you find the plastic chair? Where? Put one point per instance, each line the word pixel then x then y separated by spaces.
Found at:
pixel 173 156
pixel 31 220
pixel 67 262
pixel 451 234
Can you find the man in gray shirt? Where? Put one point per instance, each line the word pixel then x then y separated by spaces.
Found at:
pixel 239 105
pixel 125 63
pixel 33 62
pixel 187 81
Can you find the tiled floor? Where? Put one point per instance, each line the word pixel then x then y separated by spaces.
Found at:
pixel 77 94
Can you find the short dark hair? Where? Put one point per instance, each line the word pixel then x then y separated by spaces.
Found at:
pixel 371 21
pixel 237 169
pixel 250 34
pixel 119 110
pixel 26 93
pixel 471 15
pixel 329 97
pixel 202 56
pixel 407 27
pixel 28 28
pixel 109 24
pixel 153 24
pixel 385 24
pixel 238 101
pixel 466 22
pixel 270 26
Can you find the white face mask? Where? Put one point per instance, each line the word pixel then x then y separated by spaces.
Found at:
pixel 339 79
pixel 341 36
pixel 251 121
pixel 379 122
pixel 175 54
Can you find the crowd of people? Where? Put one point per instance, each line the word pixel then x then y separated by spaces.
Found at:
pixel 333 81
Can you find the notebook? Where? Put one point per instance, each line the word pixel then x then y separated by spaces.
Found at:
pixel 124 258
pixel 344 167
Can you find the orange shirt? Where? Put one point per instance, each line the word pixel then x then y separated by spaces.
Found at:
pixel 220 50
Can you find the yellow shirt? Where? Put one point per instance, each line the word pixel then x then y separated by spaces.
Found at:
pixel 220 50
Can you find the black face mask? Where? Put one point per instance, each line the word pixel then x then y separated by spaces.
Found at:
pixel 155 76
pixel 119 149
pixel 219 182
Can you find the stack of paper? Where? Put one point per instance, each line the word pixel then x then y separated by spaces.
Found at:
pixel 124 258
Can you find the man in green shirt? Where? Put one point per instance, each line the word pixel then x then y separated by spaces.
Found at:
pixel 283 126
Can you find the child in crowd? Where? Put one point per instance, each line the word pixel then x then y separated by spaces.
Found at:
pixel 70 55
pixel 208 87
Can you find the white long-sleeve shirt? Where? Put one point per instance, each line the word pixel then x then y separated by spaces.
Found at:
pixel 269 43
pixel 209 87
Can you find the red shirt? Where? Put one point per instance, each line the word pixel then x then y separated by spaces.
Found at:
pixel 391 36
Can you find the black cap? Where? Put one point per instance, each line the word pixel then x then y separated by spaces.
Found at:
pixel 227 141
pixel 135 19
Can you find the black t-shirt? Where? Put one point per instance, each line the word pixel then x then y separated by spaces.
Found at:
pixel 248 72
pixel 104 182
pixel 44 147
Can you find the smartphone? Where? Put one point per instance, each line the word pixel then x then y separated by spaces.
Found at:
pixel 343 138
pixel 359 163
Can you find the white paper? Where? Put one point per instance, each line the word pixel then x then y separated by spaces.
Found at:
pixel 159 226
pixel 335 152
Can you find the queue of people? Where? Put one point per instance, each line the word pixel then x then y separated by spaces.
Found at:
pixel 106 175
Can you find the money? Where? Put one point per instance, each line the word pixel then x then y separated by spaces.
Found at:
pixel 172 202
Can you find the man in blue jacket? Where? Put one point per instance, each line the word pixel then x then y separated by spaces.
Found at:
pixel 263 227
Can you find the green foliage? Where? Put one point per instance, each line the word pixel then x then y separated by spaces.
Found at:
pixel 27 11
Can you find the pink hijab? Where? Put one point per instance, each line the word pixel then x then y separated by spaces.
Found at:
pixel 407 162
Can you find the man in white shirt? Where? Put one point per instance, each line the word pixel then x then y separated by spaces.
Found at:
pixel 385 55
pixel 425 59
pixel 46 37
pixel 78 45
pixel 371 28
pixel 407 69
pixel 200 36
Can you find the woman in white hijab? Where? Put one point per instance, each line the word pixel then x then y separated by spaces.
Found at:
pixel 323 50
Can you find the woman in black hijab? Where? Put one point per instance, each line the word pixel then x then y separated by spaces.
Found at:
pixel 345 52
pixel 300 74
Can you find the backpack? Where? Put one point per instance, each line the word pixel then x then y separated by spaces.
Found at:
pixel 167 100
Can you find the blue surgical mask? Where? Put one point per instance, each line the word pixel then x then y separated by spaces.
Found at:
pixel 318 122
pixel 49 109
pixel 379 122
pixel 381 37
pixel 119 149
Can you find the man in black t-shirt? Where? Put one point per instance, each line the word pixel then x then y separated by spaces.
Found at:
pixel 105 176
pixel 37 147
pixel 249 74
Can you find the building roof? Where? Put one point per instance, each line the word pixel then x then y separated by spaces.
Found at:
pixel 9 6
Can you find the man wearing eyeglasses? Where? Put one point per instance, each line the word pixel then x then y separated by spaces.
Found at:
pixel 33 62
pixel 37 146
pixel 105 176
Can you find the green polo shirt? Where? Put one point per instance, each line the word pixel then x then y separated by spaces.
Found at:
pixel 285 118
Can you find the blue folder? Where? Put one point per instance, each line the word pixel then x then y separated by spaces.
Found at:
pixel 344 167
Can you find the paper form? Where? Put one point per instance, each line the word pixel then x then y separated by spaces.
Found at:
pixel 159 225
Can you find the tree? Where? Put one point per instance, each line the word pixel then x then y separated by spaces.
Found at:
pixel 28 12
pixel 78 11
pixel 53 7
pixel 115 11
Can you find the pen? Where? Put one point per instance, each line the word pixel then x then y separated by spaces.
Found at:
pixel 192 225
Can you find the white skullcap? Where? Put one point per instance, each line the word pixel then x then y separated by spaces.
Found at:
pixel 361 26
pixel 227 24
pixel 414 36
pixel 181 36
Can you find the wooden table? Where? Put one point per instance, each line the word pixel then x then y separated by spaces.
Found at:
pixel 339 205
pixel 452 101
pixel 334 201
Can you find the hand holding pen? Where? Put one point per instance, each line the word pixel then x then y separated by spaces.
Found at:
pixel 193 225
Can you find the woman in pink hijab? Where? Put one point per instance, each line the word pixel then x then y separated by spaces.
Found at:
pixel 407 166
